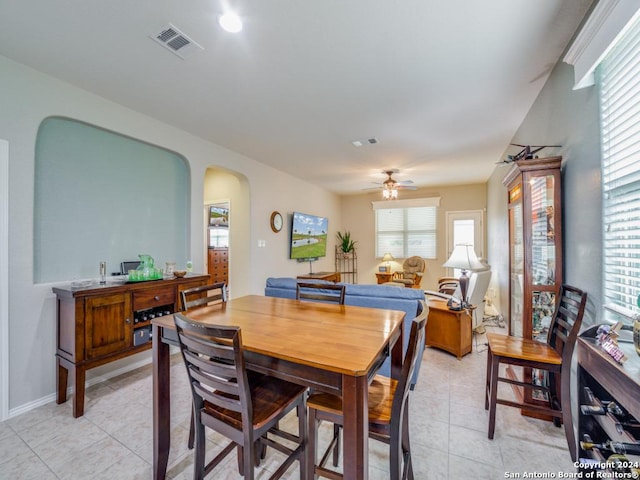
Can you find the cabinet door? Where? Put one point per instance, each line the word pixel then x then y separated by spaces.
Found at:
pixel 516 241
pixel 108 324
pixel 544 268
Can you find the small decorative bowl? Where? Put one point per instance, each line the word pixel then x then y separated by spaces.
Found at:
pixel 179 273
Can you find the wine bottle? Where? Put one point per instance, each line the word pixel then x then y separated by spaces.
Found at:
pixel 615 447
pixel 606 407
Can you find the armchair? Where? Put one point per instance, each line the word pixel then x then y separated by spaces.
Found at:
pixel 412 272
pixel 478 284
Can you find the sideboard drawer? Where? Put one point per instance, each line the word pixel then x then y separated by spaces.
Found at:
pixel 154 297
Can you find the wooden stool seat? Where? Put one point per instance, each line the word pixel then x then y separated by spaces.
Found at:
pixel 381 392
pixel 522 348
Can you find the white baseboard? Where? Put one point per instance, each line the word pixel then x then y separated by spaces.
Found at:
pixel 14 412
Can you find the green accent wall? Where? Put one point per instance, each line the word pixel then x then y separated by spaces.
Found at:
pixel 101 196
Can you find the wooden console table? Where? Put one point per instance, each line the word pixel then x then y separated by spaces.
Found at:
pixel 98 324
pixel 328 276
pixel 448 330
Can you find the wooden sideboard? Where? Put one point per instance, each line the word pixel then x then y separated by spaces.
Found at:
pixel 448 330
pixel 102 323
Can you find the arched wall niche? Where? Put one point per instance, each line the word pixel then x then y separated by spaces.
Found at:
pixel 103 196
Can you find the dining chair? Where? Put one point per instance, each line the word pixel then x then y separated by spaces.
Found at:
pixel 323 292
pixel 388 400
pixel 204 295
pixel 196 297
pixel 554 356
pixel 243 406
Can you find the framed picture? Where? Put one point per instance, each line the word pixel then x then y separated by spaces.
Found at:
pixel 382 269
pixel 218 216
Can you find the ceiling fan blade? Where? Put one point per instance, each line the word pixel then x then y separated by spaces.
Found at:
pixel 406 187
pixel 405 182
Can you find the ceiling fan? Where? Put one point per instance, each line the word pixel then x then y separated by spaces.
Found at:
pixel 390 185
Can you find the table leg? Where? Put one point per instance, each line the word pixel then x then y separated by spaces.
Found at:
pixel 161 405
pixel 356 427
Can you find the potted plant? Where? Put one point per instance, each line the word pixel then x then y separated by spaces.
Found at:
pixel 347 244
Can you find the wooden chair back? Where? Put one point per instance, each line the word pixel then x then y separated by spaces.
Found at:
pixel 204 295
pixel 322 292
pixel 409 365
pixel 566 322
pixel 216 369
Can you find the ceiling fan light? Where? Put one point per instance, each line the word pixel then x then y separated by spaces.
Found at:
pixel 389 193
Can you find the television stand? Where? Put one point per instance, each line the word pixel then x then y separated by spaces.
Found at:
pixel 329 276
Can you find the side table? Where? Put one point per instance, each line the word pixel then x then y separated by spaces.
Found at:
pixel 448 330
pixel 384 277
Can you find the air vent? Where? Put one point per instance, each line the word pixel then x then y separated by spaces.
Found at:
pixel 175 41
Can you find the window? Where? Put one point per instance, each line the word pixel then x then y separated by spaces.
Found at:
pixel 619 81
pixel 406 228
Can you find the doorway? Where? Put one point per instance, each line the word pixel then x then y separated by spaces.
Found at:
pixel 465 227
pixel 218 242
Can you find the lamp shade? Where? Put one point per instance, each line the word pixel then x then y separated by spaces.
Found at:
pixel 387 257
pixel 464 258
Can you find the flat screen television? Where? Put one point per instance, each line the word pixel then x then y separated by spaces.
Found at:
pixel 308 237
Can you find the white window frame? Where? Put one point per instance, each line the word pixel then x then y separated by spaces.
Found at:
pixel 406 232
pixel 618 80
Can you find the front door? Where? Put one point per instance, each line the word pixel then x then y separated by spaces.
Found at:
pixel 465 227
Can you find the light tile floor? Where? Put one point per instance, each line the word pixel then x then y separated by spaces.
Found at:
pixel 113 440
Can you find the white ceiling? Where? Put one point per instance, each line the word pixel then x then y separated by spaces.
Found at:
pixel 442 85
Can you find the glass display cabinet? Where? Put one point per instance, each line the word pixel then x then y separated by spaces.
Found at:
pixel 535 251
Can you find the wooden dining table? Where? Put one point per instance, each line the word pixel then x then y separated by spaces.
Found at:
pixel 329 347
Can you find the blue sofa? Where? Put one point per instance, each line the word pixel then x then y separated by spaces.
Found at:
pixel 375 296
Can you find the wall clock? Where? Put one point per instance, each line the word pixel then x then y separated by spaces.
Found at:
pixel 276 222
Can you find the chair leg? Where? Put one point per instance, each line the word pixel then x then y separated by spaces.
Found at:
pixel 337 446
pixel 407 472
pixel 487 380
pixel 567 416
pixel 240 459
pixel 394 455
pixel 191 432
pixel 302 434
pixel 493 387
pixel 312 441
pixel 198 467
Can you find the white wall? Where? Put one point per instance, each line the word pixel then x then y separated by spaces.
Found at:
pixel 27 97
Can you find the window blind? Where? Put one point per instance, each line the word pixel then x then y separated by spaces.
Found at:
pixel 405 232
pixel 619 81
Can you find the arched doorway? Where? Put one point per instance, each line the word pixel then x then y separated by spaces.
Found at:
pixel 226 187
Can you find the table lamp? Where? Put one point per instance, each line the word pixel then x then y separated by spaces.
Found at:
pixel 464 258
pixel 387 258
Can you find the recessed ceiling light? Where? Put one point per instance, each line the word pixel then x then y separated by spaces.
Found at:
pixel 230 22
pixel 357 143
